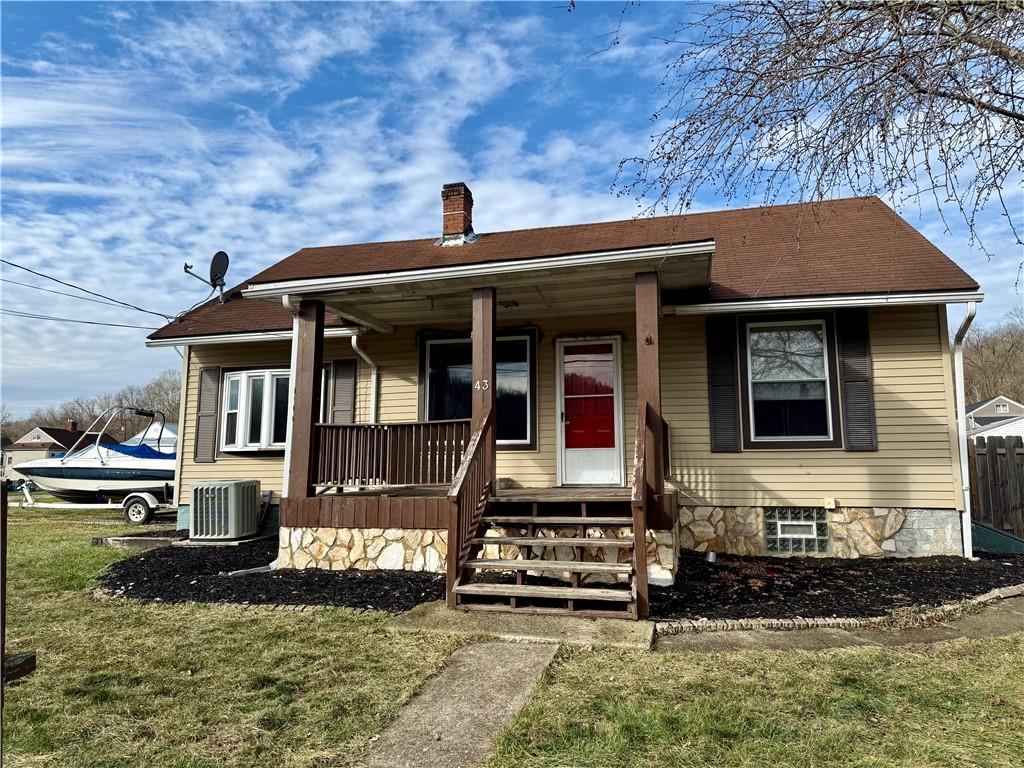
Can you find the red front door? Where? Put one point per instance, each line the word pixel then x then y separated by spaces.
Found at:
pixel 590 449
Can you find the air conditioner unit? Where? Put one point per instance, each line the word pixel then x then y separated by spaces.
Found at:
pixel 224 509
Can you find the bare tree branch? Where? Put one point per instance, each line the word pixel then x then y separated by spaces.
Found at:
pixel 801 99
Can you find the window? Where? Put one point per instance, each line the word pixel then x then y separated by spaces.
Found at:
pixel 795 529
pixel 254 412
pixel 1002 407
pixel 448 380
pixel 789 384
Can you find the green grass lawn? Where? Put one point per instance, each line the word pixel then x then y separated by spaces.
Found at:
pixel 953 704
pixel 124 684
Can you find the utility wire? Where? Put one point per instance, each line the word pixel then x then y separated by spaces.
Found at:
pixel 31 316
pixel 60 293
pixel 91 293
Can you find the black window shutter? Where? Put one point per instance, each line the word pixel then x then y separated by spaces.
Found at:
pixel 206 416
pixel 859 433
pixel 343 404
pixel 723 384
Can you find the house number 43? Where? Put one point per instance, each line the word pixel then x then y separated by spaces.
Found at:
pixel 482 384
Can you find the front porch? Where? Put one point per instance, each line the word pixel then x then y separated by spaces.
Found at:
pixel 440 476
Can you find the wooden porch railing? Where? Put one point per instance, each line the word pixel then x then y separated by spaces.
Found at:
pixel 648 495
pixel 467 498
pixel 413 453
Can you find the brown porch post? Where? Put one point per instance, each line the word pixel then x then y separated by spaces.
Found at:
pixel 648 372
pixel 484 368
pixel 309 341
pixel 648 388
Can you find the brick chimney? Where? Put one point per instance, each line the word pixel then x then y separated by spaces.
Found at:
pixel 72 425
pixel 457 218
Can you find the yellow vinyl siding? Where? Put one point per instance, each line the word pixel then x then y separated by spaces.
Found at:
pixel 915 461
pixel 397 356
pixel 916 464
pixel 267 468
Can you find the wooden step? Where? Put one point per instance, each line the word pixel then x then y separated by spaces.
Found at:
pixel 590 522
pixel 627 611
pixel 576 566
pixel 550 541
pixel 530 590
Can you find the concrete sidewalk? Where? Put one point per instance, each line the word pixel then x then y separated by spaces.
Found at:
pixel 453 721
pixel 1000 618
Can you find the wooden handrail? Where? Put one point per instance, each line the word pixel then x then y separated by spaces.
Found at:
pixel 640 498
pixel 408 453
pixel 467 499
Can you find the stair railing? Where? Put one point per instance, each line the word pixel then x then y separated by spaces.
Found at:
pixel 467 499
pixel 648 492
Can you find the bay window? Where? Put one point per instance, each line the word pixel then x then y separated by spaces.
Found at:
pixel 254 410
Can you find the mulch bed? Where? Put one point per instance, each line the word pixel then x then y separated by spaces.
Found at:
pixel 732 588
pixel 809 587
pixel 199 574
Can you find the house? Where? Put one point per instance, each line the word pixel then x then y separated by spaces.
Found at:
pixel 998 416
pixel 512 408
pixel 39 443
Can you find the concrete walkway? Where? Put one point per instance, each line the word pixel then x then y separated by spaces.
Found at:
pixel 453 721
pixel 526 627
pixel 1000 618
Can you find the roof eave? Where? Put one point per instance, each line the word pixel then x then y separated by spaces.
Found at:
pixel 341 283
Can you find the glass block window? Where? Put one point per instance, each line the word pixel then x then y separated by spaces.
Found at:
pixel 801 530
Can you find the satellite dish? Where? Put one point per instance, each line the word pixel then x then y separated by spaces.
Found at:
pixel 218 268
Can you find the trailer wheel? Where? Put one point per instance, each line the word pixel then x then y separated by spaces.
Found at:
pixel 137 511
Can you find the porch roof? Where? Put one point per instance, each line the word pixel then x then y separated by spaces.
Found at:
pixel 842 247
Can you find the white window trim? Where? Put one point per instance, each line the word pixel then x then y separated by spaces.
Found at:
pixel 783 534
pixel 529 381
pixel 828 383
pixel 269 376
pixel 1002 407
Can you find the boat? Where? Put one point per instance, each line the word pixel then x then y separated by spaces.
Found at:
pixel 96 469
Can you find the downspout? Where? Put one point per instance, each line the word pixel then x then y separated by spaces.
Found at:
pixel 374 377
pixel 293 308
pixel 961 425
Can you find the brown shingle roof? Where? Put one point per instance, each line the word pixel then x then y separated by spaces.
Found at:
pixel 850 246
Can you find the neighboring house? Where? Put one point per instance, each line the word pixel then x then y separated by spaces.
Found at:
pixel 757 381
pixel 41 443
pixel 988 413
pixel 1011 427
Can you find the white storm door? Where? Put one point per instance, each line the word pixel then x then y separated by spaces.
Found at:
pixel 590 429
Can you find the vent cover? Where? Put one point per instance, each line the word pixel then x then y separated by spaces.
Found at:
pixel 227 509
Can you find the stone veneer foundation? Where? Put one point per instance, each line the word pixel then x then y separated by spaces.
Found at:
pixel 853 531
pixel 426 550
pixel 367 549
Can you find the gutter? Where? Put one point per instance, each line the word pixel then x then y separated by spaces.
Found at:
pixel 961 425
pixel 243 338
pixel 824 302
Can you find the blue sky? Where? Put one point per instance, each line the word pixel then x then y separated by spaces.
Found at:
pixel 139 136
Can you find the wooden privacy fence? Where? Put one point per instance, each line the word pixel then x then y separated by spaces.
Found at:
pixel 997 482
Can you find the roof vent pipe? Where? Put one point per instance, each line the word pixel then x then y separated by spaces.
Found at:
pixel 374 377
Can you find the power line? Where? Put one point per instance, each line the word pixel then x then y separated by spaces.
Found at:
pixel 31 316
pixel 60 293
pixel 91 293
